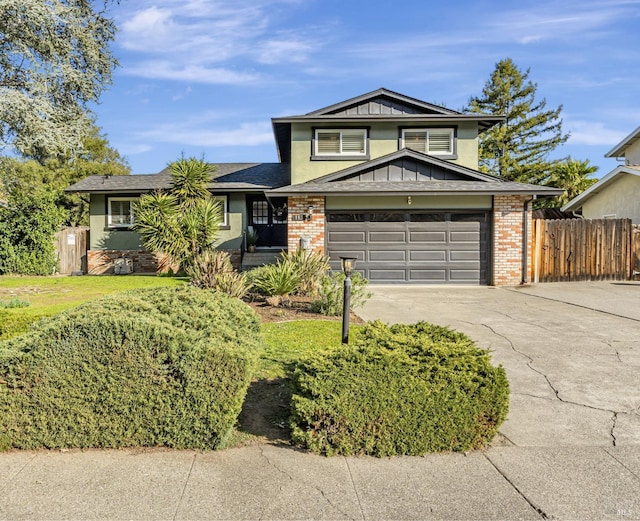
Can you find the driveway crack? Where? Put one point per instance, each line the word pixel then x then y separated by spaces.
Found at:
pixel 184 489
pixel 539 511
pixel 613 427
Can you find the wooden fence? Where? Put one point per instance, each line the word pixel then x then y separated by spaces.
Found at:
pixel 585 249
pixel 71 247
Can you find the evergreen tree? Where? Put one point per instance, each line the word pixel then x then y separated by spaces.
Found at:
pixel 517 149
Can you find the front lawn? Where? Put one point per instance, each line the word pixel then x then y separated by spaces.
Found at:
pixel 50 295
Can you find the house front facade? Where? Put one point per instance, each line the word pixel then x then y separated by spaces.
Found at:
pixel 617 194
pixel 388 179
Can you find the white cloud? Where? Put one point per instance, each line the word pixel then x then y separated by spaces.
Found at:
pixel 248 134
pixel 593 133
pixel 166 70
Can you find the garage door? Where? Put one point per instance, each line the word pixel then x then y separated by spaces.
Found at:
pixel 412 247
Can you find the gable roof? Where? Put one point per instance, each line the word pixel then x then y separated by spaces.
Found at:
pixel 378 100
pixel 378 105
pixel 426 175
pixel 245 177
pixel 577 202
pixel 620 149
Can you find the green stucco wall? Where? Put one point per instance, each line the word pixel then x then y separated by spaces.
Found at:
pixel 383 139
pixel 104 238
pixel 437 202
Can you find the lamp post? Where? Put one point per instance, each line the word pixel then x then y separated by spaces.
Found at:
pixel 348 265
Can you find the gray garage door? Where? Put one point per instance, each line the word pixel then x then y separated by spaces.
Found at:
pixel 412 247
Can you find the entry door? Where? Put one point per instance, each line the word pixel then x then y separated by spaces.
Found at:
pixel 269 220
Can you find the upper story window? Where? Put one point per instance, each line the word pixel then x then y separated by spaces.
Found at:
pixel 433 141
pixel 340 143
pixel 120 212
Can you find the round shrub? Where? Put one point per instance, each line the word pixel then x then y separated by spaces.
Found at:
pixel 401 389
pixel 154 367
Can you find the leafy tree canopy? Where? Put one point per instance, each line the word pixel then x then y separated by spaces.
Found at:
pixel 19 178
pixel 54 61
pixel 573 176
pixel 517 149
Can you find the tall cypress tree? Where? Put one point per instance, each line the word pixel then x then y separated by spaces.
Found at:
pixel 517 149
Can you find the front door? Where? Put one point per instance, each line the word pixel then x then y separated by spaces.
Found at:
pixel 269 220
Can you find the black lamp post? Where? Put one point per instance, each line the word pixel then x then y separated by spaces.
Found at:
pixel 348 265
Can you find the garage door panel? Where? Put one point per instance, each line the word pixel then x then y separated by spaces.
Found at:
pixel 462 255
pixel 424 274
pixel 464 236
pixel 464 275
pixel 347 236
pixel 430 236
pixel 391 255
pixel 397 237
pixel 387 275
pixel 427 255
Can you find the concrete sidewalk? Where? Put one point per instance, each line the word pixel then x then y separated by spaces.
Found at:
pixel 570 448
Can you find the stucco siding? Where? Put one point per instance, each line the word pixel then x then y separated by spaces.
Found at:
pixel 620 199
pixel 444 202
pixel 383 139
pixel 632 153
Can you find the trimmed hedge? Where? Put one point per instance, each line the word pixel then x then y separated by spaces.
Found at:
pixel 153 367
pixel 401 389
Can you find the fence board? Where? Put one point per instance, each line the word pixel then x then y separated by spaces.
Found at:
pixel 585 249
pixel 71 248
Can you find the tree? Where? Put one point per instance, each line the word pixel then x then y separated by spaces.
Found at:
pixel 572 176
pixel 54 61
pixel 517 149
pixel 54 175
pixel 184 221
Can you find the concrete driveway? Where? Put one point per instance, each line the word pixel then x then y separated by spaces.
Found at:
pixel 571 352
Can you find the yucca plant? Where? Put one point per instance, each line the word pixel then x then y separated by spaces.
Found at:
pixel 311 267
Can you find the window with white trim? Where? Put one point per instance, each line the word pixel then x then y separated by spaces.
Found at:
pixel 340 142
pixel 120 212
pixel 433 141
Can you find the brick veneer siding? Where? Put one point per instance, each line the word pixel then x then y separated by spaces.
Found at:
pixel 100 262
pixel 312 229
pixel 508 230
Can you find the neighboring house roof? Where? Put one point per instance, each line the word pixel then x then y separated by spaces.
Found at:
pixel 620 148
pixel 231 177
pixel 577 202
pixel 378 105
pixel 407 172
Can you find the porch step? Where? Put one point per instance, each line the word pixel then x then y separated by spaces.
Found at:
pixel 260 258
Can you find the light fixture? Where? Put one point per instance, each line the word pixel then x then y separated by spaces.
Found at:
pixel 348 265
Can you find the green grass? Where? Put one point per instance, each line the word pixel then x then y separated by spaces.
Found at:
pixel 288 342
pixel 50 295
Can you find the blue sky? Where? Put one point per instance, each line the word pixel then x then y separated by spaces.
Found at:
pixel 204 77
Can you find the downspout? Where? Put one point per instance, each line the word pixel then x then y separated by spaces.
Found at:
pixel 525 243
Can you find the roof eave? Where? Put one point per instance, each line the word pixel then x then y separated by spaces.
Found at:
pixel 618 150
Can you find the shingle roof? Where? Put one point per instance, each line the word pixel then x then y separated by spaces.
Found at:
pixel 415 187
pixel 228 177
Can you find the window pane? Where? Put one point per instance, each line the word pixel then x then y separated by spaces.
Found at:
pixel 440 142
pixel 416 140
pixel 387 217
pixel 428 217
pixel 353 141
pixel 120 212
pixel 328 142
pixel 260 212
pixel 345 217
pixel 469 217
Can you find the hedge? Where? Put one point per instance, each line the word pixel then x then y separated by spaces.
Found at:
pixel 401 389
pixel 153 367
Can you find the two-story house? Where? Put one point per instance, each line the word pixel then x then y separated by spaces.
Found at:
pixel 617 194
pixel 383 177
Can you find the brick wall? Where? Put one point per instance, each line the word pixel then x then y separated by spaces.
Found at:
pixel 312 229
pixel 100 262
pixel 508 229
